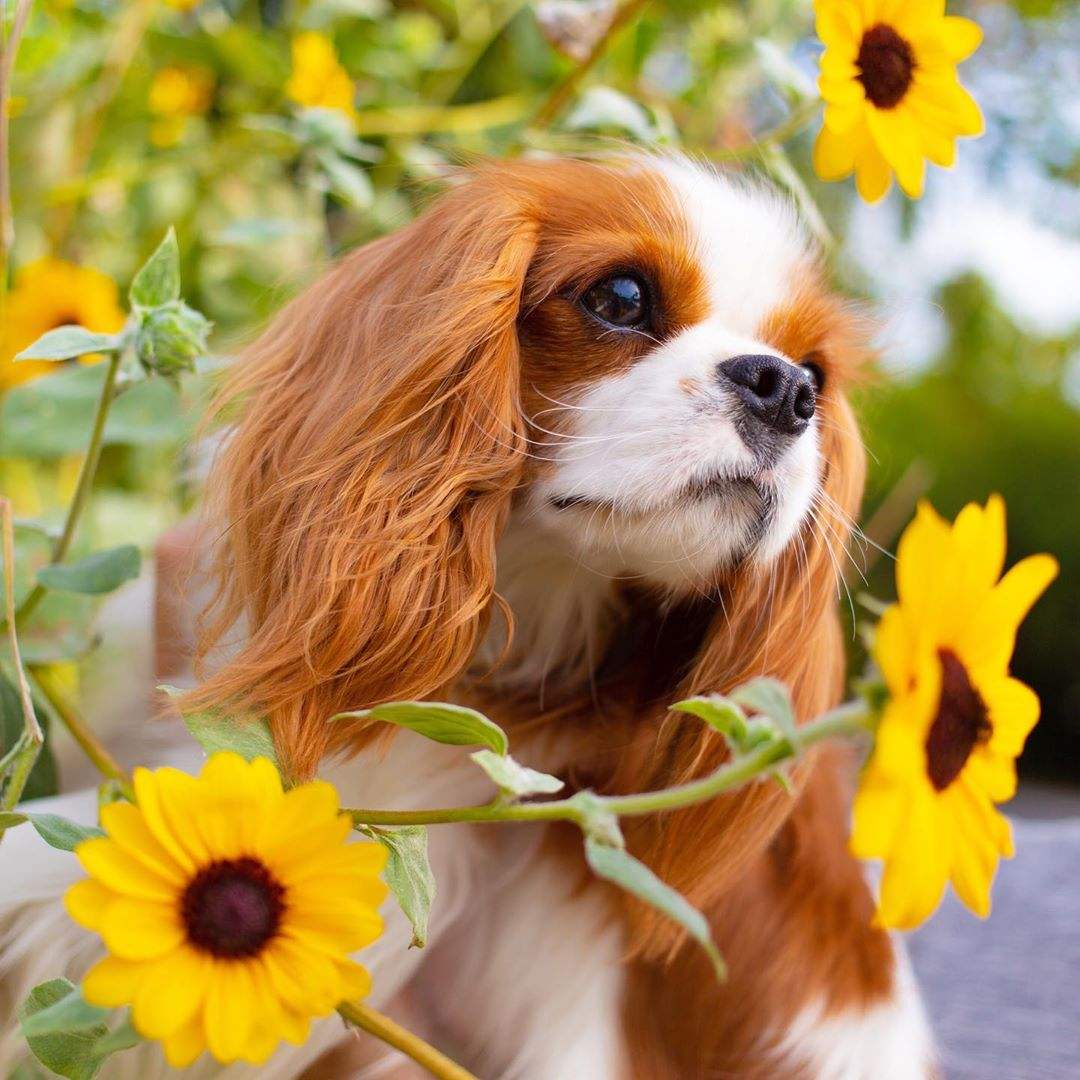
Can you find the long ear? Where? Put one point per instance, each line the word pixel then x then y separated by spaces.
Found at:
pixel 781 622
pixel 361 493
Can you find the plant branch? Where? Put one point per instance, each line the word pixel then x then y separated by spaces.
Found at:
pixel 845 721
pixel 7 70
pixel 561 93
pixel 778 134
pixel 393 1034
pixel 82 487
pixel 20 759
pixel 77 727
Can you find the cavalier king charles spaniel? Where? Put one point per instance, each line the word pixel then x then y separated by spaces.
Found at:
pixel 571 446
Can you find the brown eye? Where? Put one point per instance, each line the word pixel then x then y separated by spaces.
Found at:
pixel 619 300
pixel 814 369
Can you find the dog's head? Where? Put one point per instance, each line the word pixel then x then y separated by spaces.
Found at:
pixel 640 357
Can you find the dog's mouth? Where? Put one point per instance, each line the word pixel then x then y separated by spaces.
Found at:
pixel 745 491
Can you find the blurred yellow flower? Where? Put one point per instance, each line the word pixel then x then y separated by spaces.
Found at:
pixel 176 94
pixel 229 908
pixel 183 5
pixel 892 96
pixel 955 720
pixel 318 80
pixel 48 293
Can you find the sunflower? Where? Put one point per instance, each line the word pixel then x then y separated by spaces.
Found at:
pixel 228 907
pixel 176 94
pixel 49 293
pixel 318 80
pixel 955 720
pixel 892 97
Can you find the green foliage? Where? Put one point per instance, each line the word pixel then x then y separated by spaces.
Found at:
pixel 43 780
pixel 442 722
pixel 66 1051
pixel 513 780
pixel 408 873
pixel 619 866
pixel 215 730
pixel 98 573
pixel 69 342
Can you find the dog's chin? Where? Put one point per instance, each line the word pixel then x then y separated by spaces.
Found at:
pixel 683 539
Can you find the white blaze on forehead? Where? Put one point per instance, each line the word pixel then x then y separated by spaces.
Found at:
pixel 746 238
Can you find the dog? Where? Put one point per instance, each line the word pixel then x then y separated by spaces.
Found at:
pixel 571 446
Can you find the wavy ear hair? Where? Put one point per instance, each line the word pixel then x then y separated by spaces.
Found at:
pixel 361 493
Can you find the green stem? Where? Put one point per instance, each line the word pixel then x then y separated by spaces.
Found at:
pixel 393 1034
pixel 561 93
pixel 83 487
pixel 87 741
pixel 846 720
pixel 791 125
pixel 20 760
pixel 7 71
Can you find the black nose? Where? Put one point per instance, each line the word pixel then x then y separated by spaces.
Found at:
pixel 777 393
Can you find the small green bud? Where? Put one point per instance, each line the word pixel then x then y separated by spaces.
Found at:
pixel 171 337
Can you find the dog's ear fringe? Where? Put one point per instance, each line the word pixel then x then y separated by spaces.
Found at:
pixel 357 502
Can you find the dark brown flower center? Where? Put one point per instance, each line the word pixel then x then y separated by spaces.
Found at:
pixel 232 907
pixel 886 65
pixel 960 725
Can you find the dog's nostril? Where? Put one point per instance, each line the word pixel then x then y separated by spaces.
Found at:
pixel 776 393
pixel 804 405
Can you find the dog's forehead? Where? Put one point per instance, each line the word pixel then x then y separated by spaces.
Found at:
pixel 746 240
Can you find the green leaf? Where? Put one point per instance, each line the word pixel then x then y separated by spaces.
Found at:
pixel 70 1053
pixel 619 866
pixel 348 182
pixel 98 573
pixel 60 832
pixel 408 873
pixel 213 730
pixel 69 342
pixel 69 1013
pixel 720 713
pixel 514 779
pixel 771 698
pixel 123 1037
pixel 43 780
pixel 158 281
pixel 445 723
pixel 52 417
pixel 10 818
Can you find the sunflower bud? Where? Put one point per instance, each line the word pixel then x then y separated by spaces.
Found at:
pixel 171 337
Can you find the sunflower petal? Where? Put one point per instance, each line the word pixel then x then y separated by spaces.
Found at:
pixel 230 1010
pixel 184 1046
pixel 104 859
pixel 86 902
pixel 113 982
pixel 126 825
pixel 917 869
pixel 171 994
pixel 960 37
pixel 139 930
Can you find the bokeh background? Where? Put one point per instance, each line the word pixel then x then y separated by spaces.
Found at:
pixel 128 116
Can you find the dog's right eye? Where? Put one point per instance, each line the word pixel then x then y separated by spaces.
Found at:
pixel 620 300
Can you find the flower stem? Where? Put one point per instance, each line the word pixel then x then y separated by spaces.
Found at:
pixel 560 95
pixel 844 721
pixel 8 54
pixel 83 486
pixel 19 761
pixel 77 727
pixel 393 1034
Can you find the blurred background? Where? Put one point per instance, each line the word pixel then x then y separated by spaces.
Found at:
pixel 274 135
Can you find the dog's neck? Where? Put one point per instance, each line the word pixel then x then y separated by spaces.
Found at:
pixel 580 628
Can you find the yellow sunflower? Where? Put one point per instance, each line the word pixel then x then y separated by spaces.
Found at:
pixel 228 907
pixel 49 293
pixel 177 93
pixel 892 96
pixel 955 720
pixel 318 80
